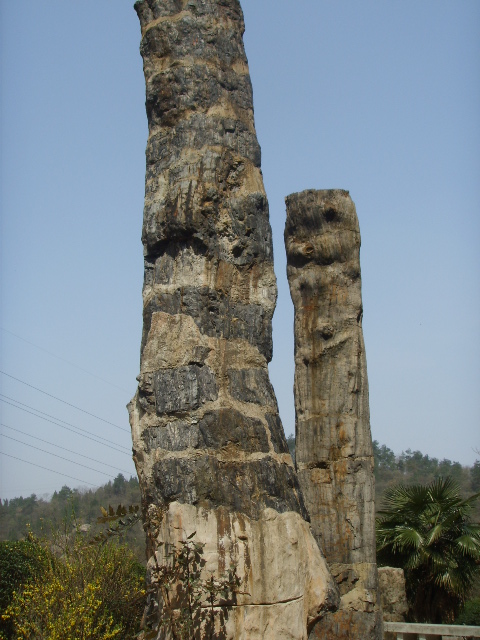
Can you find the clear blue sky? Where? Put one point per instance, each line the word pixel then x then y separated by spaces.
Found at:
pixel 381 98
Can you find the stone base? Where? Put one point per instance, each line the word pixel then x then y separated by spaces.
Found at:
pixel 391 586
pixel 348 625
pixel 286 586
pixel 359 616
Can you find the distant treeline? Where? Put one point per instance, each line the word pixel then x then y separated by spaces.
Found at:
pixel 410 467
pixel 413 467
pixel 42 515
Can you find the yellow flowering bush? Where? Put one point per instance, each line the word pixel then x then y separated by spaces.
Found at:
pixel 86 592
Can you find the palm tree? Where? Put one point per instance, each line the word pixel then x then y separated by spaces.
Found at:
pixel 426 530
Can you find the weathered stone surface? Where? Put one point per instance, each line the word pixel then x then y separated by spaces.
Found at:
pixel 246 486
pixel 216 314
pixel 391 586
pixel 277 434
pixel 252 385
pixel 274 605
pixel 184 389
pixel 334 456
pixel 208 442
pixel 216 430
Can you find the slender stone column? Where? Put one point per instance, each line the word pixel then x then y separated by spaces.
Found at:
pixel 208 443
pixel 334 455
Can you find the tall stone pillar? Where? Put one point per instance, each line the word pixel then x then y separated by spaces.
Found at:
pixel 334 455
pixel 208 442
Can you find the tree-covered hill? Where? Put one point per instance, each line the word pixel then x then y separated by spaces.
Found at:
pixel 41 515
pixel 413 467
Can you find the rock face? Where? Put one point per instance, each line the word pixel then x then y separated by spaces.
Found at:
pixel 208 442
pixel 334 456
pixel 391 586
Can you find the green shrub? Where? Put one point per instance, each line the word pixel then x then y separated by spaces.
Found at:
pixel 470 614
pixel 83 591
pixel 20 562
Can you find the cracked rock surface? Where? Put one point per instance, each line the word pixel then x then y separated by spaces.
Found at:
pixel 334 455
pixel 208 443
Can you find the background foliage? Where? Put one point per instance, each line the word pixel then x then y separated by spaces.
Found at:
pixel 410 467
pixel 34 511
pixel 427 531
pixel 68 589
pixel 20 562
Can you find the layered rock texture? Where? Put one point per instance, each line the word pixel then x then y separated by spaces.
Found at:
pixel 334 454
pixel 208 443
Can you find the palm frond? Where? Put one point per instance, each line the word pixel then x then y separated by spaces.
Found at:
pixel 469 545
pixel 435 533
pixel 427 531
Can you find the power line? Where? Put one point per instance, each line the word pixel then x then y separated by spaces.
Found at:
pixel 64 401
pixel 46 469
pixel 63 448
pixel 23 404
pixel 63 359
pixel 95 438
pixel 57 456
